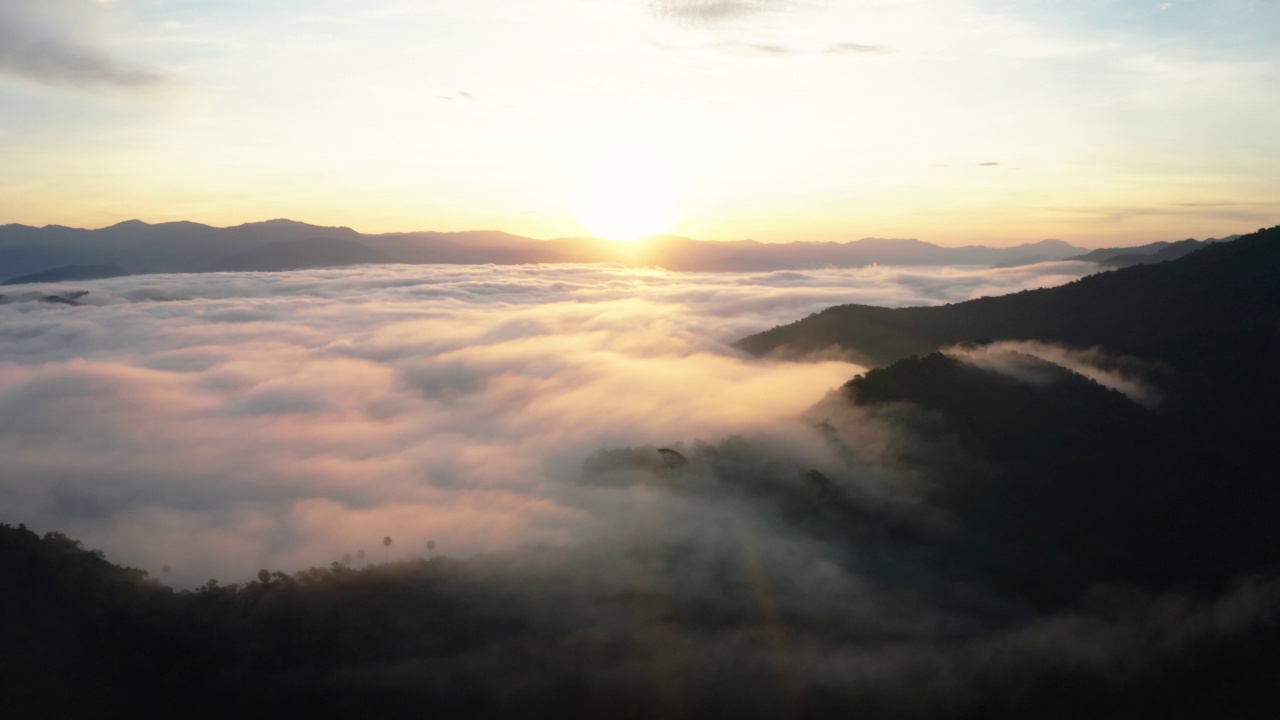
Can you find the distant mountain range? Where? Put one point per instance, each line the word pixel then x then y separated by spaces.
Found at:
pixel 69 272
pixel 1148 254
pixel 55 253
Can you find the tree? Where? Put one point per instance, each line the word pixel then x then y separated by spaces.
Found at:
pixel 431 547
pixel 386 542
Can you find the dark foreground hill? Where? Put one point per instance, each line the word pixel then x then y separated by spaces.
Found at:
pixel 1063 483
pixel 1211 319
pixel 1205 329
pixel 523 636
pixel 1069 483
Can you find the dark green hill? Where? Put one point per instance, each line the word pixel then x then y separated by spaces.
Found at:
pixel 1210 319
pixel 1224 287
pixel 1072 483
pixel 524 636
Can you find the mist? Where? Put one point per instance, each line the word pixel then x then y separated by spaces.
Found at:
pixel 1126 375
pixel 624 509
pixel 220 423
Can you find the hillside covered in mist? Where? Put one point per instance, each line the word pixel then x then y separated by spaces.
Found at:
pixel 1053 504
pixel 1227 287
pixel 1206 325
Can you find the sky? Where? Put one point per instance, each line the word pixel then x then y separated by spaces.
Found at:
pixel 224 422
pixel 1100 122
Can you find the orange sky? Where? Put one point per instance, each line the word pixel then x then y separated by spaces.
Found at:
pixel 954 121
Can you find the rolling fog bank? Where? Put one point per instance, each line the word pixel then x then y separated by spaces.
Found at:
pixel 629 517
pixel 220 423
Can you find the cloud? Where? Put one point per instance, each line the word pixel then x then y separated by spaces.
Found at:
pixel 712 11
pixel 1258 213
pixel 848 48
pixel 759 47
pixel 458 95
pixel 221 423
pixel 46 42
pixel 451 402
pixel 1126 375
pixel 988 164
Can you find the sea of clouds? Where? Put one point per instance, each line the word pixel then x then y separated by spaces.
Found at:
pixel 219 423
pixel 787 557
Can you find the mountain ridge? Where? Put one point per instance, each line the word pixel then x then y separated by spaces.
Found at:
pixel 185 246
pixel 1209 322
pixel 1081 313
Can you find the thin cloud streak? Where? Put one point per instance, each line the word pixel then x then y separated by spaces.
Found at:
pixel 1122 374
pixel 712 11
pixel 849 48
pixel 41 42
pixel 759 47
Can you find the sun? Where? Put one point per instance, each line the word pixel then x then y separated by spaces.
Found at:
pixel 626 216
pixel 627 204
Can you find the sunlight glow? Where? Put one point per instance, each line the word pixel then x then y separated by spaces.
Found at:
pixel 628 202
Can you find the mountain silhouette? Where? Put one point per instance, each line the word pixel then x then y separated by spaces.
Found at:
pixel 1069 482
pixel 300 254
pixel 1223 287
pixel 70 272
pixel 1210 319
pixel 192 247
pixel 1147 254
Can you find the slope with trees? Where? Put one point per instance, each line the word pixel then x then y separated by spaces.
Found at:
pixel 1225 287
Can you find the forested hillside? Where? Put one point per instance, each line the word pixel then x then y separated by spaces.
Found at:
pixel 1229 287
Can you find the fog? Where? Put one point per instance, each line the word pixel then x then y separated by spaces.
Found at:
pixel 788 552
pixel 220 423
pixel 1018 359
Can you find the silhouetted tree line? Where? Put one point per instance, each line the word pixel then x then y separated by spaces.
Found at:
pixel 83 638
